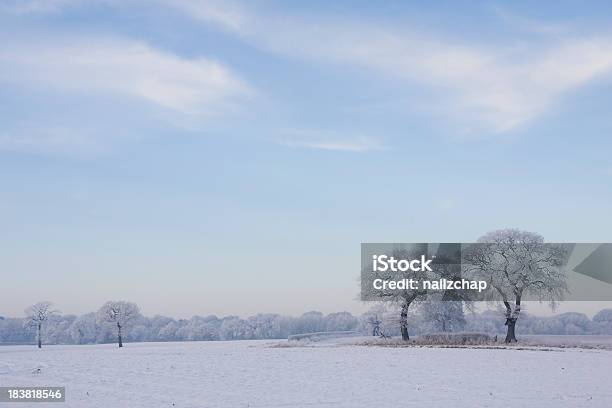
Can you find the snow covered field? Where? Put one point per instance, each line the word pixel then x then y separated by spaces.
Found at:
pixel 252 374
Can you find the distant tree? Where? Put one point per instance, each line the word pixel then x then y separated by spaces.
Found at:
pixel 119 314
pixel 201 328
pixel 604 315
pixel 374 322
pixel 381 320
pixel 56 331
pixel 443 315
pixel 37 315
pixel 265 326
pixel 84 329
pixel 342 321
pixel 516 263
pixel 168 332
pixel 156 324
pixel 235 328
pixel 310 322
pixel 603 321
pixel 372 319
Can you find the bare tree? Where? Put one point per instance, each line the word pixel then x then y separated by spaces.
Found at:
pixel 403 297
pixel 516 263
pixel 36 315
pixel 374 321
pixel 443 315
pixel 119 314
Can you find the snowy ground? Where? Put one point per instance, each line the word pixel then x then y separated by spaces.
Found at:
pixel 569 341
pixel 252 374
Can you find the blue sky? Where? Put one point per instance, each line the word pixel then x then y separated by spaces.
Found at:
pixel 216 157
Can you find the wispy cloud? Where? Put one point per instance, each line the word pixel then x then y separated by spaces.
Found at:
pixel 190 86
pixel 481 86
pixel 228 14
pixel 224 13
pixel 324 140
pixel 34 6
pixel 49 139
pixel 498 88
pixel 529 25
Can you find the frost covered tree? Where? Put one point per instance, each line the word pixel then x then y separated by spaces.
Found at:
pixel 156 324
pixel 374 322
pixel 84 329
pixel 235 328
pixel 381 320
pixel 403 297
pixel 310 322
pixel 168 332
pixel 37 315
pixel 118 314
pixel 201 328
pixel 603 321
pixel 342 321
pixel 56 331
pixel 516 263
pixel 265 325
pixel 444 315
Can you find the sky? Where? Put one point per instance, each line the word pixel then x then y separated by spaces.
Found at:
pixel 201 157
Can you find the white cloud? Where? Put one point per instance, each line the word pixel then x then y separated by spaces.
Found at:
pixel 224 12
pixel 323 140
pixel 480 86
pixel 132 69
pixel 491 87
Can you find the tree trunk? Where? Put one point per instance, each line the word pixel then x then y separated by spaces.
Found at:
pixel 119 335
pixel 404 321
pixel 511 318
pixel 510 336
pixel 39 335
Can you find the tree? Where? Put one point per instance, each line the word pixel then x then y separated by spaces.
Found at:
pixel 235 328
pixel 84 329
pixel 201 328
pixel 342 321
pixel 444 312
pixel 265 326
pixel 516 263
pixel 36 315
pixel 444 315
pixel 373 320
pixel 403 297
pixel 168 332
pixel 379 320
pixel 119 314
pixel 603 321
pixel 310 322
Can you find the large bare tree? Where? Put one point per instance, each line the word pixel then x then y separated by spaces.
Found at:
pixel 118 313
pixel 516 263
pixel 37 315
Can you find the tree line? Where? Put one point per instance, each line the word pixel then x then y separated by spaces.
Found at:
pixel 514 264
pixel 106 325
